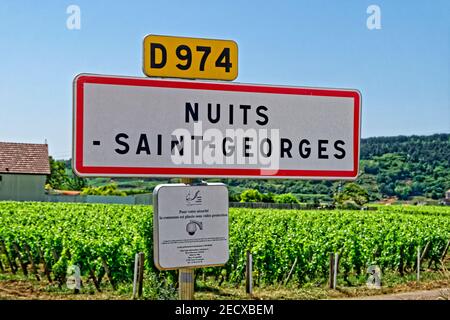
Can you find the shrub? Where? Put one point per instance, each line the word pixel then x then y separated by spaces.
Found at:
pixel 234 196
pixel 251 195
pixel 352 192
pixel 268 197
pixel 108 190
pixel 348 205
pixel 285 198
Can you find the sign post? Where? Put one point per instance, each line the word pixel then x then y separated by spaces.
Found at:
pixel 186 276
pixel 190 229
pixel 141 127
pixel 168 56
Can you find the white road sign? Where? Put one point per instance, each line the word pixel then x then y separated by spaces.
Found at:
pixel 190 225
pixel 146 127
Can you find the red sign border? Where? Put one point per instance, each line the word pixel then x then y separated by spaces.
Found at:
pixel 86 171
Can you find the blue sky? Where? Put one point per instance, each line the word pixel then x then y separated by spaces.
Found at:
pixel 402 69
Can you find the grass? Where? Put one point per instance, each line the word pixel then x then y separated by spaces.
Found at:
pixel 355 287
pixel 20 287
pixel 391 283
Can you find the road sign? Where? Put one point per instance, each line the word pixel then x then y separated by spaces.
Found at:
pixel 155 128
pixel 190 225
pixel 192 58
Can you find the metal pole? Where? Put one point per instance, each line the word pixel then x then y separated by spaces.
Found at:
pixel 186 275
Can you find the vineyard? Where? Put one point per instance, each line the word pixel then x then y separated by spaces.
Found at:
pixel 42 239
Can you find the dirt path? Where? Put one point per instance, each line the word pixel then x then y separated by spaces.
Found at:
pixel 25 290
pixel 17 290
pixel 436 294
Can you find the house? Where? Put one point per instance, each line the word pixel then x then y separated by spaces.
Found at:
pixel 23 171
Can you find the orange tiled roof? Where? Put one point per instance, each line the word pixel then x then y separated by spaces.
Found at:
pixel 28 158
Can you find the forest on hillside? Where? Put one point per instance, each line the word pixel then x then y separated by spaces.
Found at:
pixel 399 166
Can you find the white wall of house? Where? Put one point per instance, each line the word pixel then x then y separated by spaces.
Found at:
pixel 22 187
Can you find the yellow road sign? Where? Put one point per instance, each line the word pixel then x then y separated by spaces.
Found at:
pixel 191 58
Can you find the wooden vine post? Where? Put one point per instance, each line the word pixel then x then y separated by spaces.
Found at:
pixel 138 280
pixel 334 265
pixel 331 277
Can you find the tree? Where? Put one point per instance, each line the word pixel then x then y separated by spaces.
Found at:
pixel 352 192
pixel 402 190
pixel 370 166
pixel 59 179
pixel 77 183
pixel 233 196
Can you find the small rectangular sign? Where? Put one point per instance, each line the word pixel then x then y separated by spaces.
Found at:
pixel 164 128
pixel 191 58
pixel 190 225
